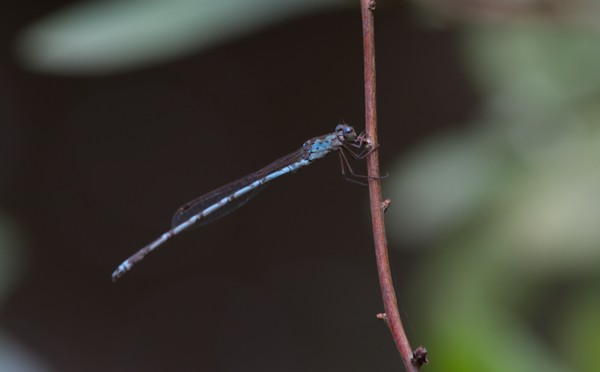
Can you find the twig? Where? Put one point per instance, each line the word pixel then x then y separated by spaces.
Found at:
pixel 392 316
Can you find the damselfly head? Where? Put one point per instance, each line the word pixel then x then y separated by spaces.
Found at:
pixel 346 132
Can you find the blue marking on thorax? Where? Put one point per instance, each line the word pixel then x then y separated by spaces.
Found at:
pixel 321 147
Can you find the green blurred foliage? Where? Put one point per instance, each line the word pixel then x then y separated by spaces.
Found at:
pixel 100 37
pixel 13 357
pixel 510 207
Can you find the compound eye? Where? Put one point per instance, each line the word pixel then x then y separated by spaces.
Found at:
pixel 346 131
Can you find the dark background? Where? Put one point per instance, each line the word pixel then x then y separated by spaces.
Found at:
pixel 92 169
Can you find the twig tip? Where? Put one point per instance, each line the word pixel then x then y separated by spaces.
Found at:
pixel 419 357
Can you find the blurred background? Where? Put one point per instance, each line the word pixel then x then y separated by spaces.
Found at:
pixel 114 113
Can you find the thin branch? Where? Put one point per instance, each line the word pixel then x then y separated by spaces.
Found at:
pixel 392 315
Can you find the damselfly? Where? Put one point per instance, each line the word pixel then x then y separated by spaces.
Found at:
pixel 224 200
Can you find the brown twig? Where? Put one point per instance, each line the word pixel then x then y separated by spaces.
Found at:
pixel 383 266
